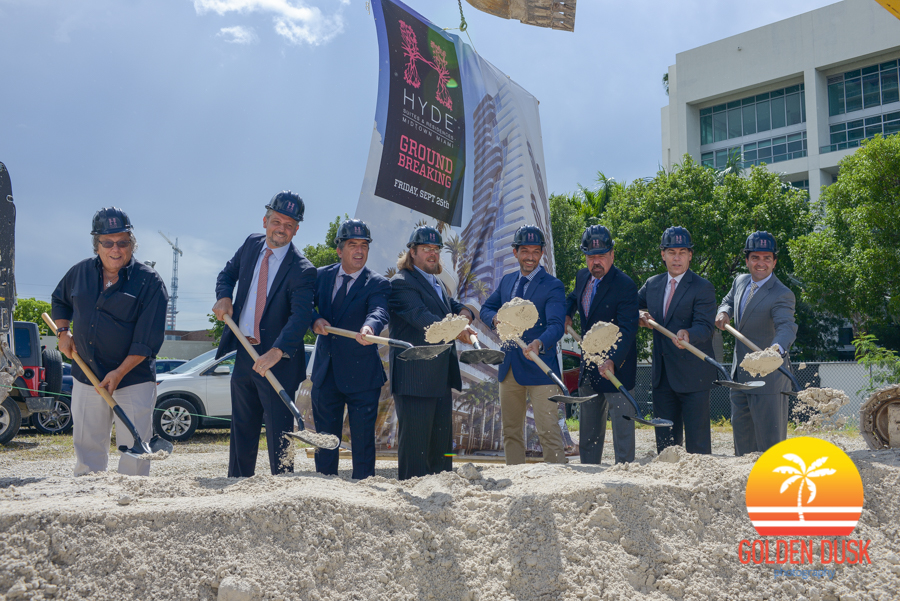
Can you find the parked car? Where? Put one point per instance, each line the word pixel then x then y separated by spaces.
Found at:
pixel 38 388
pixel 197 394
pixel 59 419
pixel 164 366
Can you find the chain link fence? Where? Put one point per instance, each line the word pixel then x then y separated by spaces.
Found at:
pixel 849 376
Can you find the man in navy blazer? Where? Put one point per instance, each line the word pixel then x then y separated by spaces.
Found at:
pixel 346 372
pixel 273 308
pixel 421 387
pixel 603 293
pixel 519 376
pixel 685 304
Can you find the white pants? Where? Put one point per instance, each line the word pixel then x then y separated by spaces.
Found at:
pixel 92 422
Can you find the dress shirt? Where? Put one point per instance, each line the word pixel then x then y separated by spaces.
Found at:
pixel 529 278
pixel 339 280
pixel 108 325
pixel 248 313
pixel 759 285
pixel 434 283
pixel 668 289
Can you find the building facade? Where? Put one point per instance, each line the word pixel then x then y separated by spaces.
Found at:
pixel 798 95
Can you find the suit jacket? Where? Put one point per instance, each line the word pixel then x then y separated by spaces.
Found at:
pixel 549 297
pixel 413 306
pixel 289 305
pixel 768 319
pixel 693 309
pixel 616 301
pixel 356 367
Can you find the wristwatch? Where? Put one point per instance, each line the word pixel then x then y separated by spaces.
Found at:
pixel 60 331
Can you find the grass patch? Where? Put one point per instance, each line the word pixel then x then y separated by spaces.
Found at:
pixel 572 424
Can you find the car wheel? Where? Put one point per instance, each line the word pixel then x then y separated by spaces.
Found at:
pixel 10 420
pixel 175 419
pixel 52 361
pixel 56 421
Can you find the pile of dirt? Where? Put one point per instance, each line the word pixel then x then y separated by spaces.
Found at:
pixel 658 529
pixel 514 317
pixel 818 408
pixel 762 363
pixel 599 341
pixel 446 329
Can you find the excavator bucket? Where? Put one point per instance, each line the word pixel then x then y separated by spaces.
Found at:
pixel 555 14
pixel 879 418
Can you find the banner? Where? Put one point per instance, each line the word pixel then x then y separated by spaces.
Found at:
pixel 423 161
pixel 497 136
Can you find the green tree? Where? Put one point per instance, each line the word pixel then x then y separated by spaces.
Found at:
pixel 850 265
pixel 217 328
pixel 567 225
pixel 320 254
pixel 30 309
pixel 720 210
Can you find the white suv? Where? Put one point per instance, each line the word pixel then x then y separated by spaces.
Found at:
pixel 197 394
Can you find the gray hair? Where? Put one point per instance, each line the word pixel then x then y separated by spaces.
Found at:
pixel 96 242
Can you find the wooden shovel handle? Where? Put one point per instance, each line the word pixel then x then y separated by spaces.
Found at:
pixel 574 334
pixel 608 373
pixel 683 343
pixel 87 370
pixel 742 338
pixel 375 339
pixel 252 352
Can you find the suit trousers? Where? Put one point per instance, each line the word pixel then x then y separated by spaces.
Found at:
pixel 513 405
pixel 253 402
pixel 328 404
pixel 592 427
pixel 689 412
pixel 758 421
pixel 92 421
pixel 424 435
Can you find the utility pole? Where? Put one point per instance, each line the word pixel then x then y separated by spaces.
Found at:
pixel 173 296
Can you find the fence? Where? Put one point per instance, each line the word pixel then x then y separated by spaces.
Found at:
pixel 851 377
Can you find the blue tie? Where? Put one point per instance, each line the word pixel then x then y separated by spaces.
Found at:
pixel 340 296
pixel 520 289
pixel 437 287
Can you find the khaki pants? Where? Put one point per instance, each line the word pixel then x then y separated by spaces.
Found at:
pixel 513 405
pixel 92 421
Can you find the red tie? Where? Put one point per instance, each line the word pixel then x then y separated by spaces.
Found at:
pixel 674 283
pixel 261 284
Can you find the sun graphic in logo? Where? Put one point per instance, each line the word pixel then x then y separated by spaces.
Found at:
pixel 804 486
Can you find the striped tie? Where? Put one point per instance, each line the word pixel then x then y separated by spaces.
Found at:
pixel 753 288
pixel 261 290
pixel 588 296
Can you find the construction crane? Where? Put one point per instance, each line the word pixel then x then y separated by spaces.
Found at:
pixel 173 294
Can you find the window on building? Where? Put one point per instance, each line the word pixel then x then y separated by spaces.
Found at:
pixel 753 114
pixel 850 133
pixel 775 150
pixel 863 88
pixel 801 184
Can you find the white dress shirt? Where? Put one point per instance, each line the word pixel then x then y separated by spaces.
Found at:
pixel 248 313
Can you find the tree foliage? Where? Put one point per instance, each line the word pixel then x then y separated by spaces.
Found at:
pixel 850 265
pixel 30 309
pixel 321 254
pixel 720 209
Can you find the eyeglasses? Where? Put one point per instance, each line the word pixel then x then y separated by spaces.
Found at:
pixel 119 243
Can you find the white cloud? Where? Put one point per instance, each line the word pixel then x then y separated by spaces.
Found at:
pixel 238 35
pixel 295 20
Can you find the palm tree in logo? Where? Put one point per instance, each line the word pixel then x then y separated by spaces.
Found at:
pixel 804 475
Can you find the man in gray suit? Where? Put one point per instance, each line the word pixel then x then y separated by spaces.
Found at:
pixel 684 303
pixel 421 388
pixel 763 309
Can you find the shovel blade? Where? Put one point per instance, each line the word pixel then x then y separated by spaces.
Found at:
pixel 561 398
pixel 328 442
pixel 739 385
pixel 656 422
pixel 424 352
pixel 488 356
pixel 147 451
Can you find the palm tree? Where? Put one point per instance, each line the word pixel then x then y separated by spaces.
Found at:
pixel 481 290
pixel 390 272
pixel 466 278
pixel 457 248
pixel 804 475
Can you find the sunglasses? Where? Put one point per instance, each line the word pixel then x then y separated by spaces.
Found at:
pixel 119 243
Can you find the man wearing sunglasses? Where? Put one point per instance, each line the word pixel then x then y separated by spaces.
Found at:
pixel 112 310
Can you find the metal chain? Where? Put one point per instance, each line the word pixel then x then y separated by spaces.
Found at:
pixel 462 18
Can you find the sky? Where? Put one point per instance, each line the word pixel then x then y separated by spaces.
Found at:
pixel 191 114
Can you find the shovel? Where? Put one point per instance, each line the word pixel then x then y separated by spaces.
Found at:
pixel 656 422
pixel 749 344
pixel 726 379
pixel 481 355
pixel 564 397
pixel 140 450
pixel 321 441
pixel 411 353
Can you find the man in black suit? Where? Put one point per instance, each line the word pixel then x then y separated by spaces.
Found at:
pixel 274 304
pixel 603 293
pixel 421 388
pixel 684 303
pixel 349 373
